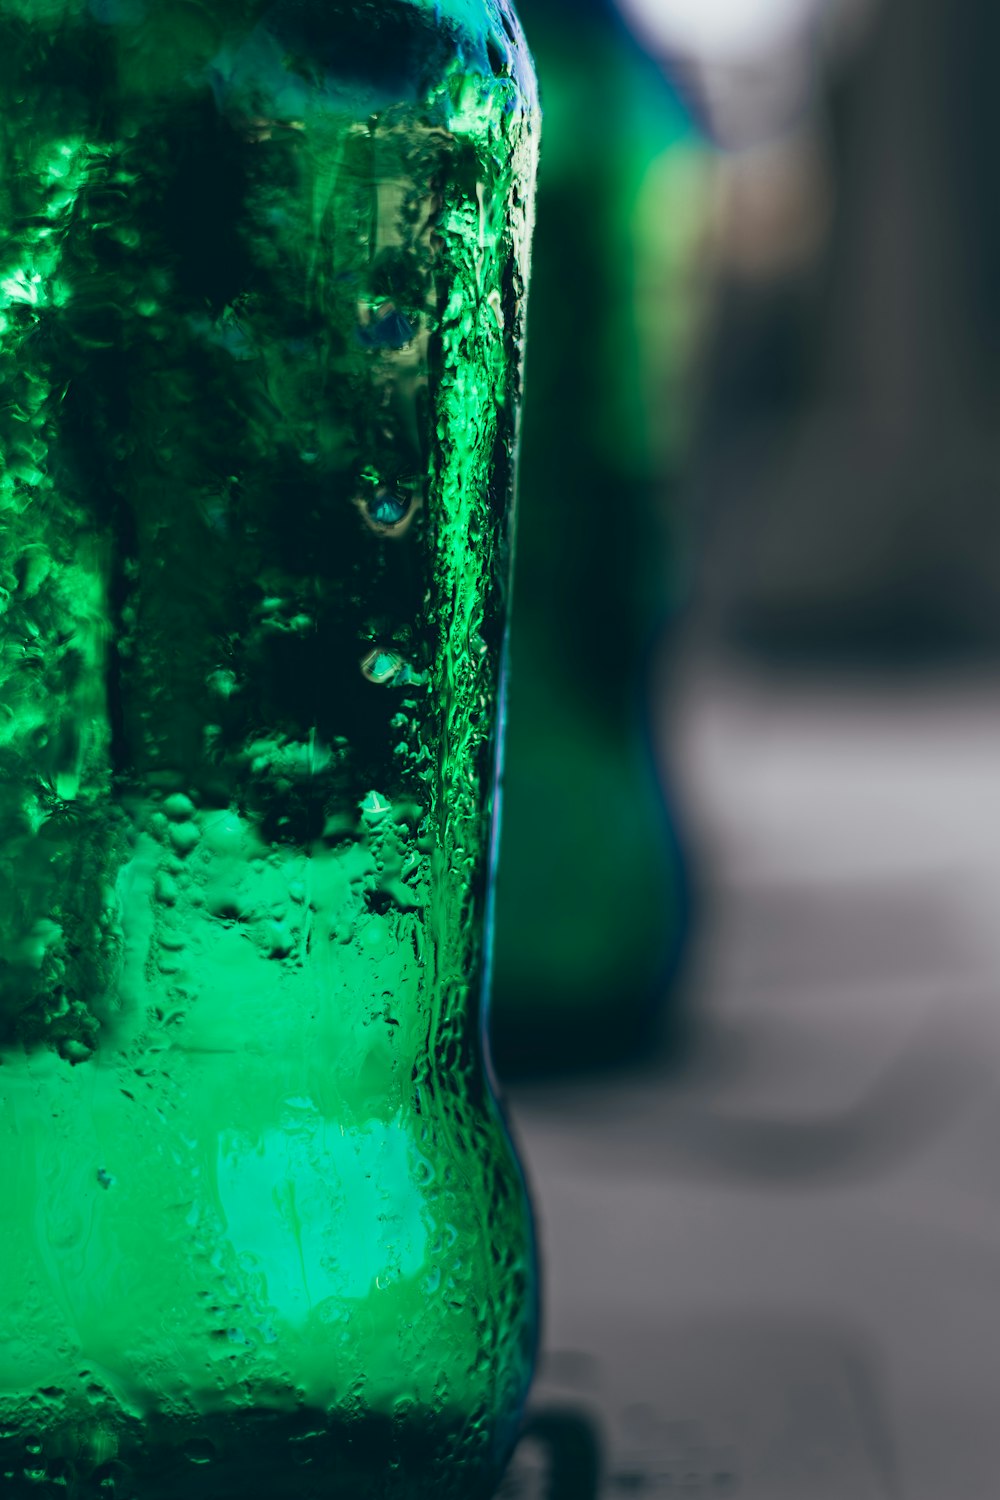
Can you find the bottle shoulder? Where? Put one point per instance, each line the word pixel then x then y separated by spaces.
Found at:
pixel 337 55
pixel 286 59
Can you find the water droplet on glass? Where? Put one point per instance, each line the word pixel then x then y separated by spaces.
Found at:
pixel 223 682
pixel 387 512
pixel 374 807
pixel 387 328
pixel 199 1450
pixel 280 941
pixel 184 837
pixel 178 807
pixel 381 666
pixel 385 668
pixel 388 509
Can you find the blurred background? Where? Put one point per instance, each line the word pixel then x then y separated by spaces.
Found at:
pixel 748 956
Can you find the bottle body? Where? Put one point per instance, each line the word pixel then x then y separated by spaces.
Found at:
pixel 265 274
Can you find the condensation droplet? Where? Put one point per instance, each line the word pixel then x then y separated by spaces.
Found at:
pixel 387 668
pixel 223 682
pixel 184 837
pixel 178 807
pixel 387 328
pixel 199 1451
pixel 387 512
pixel 381 666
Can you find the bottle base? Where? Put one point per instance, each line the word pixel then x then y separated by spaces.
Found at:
pixel 255 1455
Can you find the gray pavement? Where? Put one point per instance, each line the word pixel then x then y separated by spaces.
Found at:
pixel 774 1273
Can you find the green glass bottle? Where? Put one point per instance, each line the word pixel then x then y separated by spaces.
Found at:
pixel 261 310
pixel 592 904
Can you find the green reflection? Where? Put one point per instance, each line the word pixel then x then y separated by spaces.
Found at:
pixel 287 1195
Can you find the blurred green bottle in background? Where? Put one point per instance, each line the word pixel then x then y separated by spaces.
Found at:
pixel 591 894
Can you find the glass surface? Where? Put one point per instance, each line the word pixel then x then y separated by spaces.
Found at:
pixel 261 310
